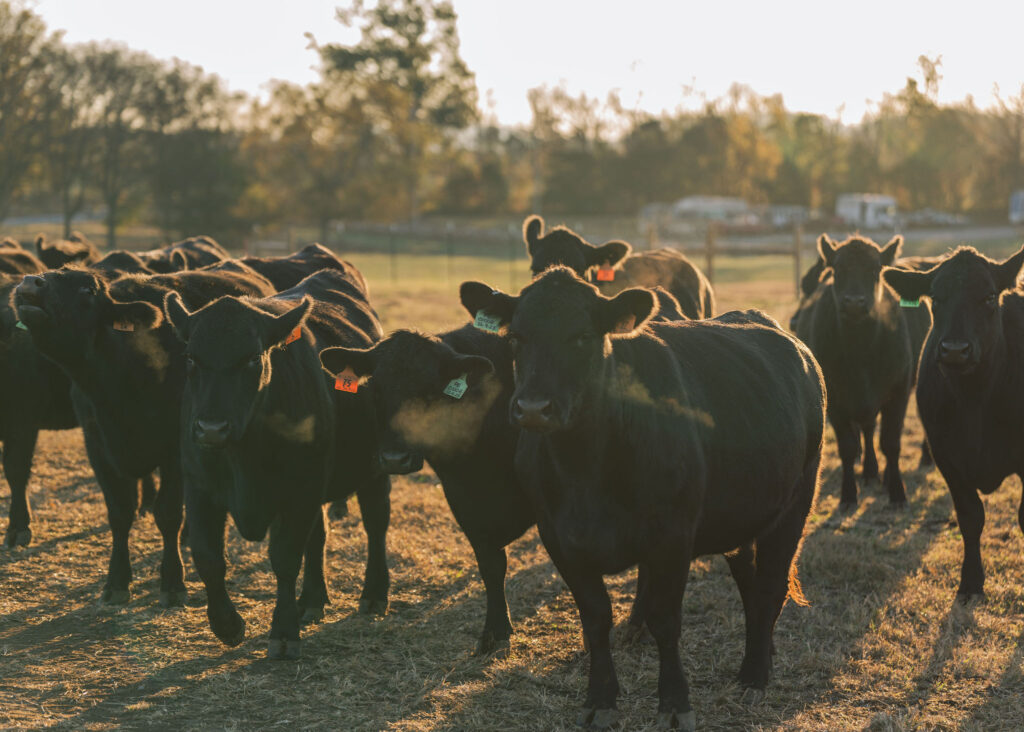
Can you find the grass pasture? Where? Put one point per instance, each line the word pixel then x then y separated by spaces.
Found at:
pixel 881 647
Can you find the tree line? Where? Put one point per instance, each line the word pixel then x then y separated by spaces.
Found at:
pixel 393 130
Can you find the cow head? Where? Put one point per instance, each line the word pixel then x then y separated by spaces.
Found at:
pixel 558 328
pixel 965 291
pixel 856 265
pixel 409 375
pixel 227 354
pixel 65 310
pixel 564 246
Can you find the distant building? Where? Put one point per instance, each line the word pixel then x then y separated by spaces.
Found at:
pixel 1017 207
pixel 715 208
pixel 866 210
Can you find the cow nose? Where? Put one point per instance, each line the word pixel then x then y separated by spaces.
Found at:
pixel 398 462
pixel 211 434
pixel 855 303
pixel 533 414
pixel 32 283
pixel 954 353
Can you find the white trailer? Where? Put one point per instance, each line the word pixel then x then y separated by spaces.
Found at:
pixel 866 210
pixel 1017 207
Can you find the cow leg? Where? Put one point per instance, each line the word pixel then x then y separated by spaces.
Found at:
pixel 638 613
pixel 926 460
pixel 167 512
pixel 289 534
pixel 493 564
pixel 893 414
pixel 970 515
pixel 742 566
pixel 664 618
pixel 848 442
pixel 595 609
pixel 869 466
pixel 314 581
pixel 18 450
pixel 375 504
pixel 206 540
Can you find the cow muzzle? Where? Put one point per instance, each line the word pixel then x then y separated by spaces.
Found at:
pixel 211 435
pixel 398 462
pixel 955 353
pixel 536 415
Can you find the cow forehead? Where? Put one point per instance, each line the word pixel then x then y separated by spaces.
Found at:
pixel 555 304
pixel 857 253
pixel 560 247
pixel 69 279
pixel 965 273
pixel 405 358
pixel 225 331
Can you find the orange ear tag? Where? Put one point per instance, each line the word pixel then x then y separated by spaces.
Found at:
pixel 294 335
pixel 605 274
pixel 124 325
pixel 347 381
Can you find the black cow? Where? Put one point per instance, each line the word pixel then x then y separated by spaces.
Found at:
pixel 285 272
pixel 654 447
pixel 970 392
pixel 268 439
pixel 77 249
pixel 192 253
pixel 16 261
pixel 612 266
pixel 127 372
pixel 867 347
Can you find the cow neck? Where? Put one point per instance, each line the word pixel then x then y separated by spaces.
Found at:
pixel 859 339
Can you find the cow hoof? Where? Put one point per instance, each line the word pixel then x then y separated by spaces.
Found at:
pixel 847 506
pixel 338 510
pixel 686 721
pixel 632 634
pixel 598 718
pixel 311 615
pixel 373 607
pixel 969 598
pixel 115 597
pixel 173 598
pixel 491 645
pixel 230 633
pixel 751 696
pixel 18 537
pixel 282 649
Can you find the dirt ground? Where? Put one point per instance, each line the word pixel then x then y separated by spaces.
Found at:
pixel 881 647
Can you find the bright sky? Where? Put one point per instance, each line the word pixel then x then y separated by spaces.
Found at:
pixel 820 55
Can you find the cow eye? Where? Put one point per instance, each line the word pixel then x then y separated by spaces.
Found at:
pixel 992 300
pixel 254 361
pixel 190 361
pixel 513 342
pixel 580 340
pixel 89 290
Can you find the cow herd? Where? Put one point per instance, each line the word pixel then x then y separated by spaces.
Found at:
pixel 604 403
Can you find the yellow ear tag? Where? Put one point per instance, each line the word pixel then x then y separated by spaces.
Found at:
pixel 456 387
pixel 347 381
pixel 486 323
pixel 294 335
pixel 605 273
pixel 124 325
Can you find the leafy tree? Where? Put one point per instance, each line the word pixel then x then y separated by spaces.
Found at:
pixel 413 84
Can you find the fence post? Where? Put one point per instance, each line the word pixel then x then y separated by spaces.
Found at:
pixel 652 236
pixel 709 251
pixel 797 243
pixel 511 258
pixel 448 253
pixel 392 246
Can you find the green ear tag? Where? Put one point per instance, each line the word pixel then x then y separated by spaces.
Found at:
pixel 21 325
pixel 910 303
pixel 456 387
pixel 485 322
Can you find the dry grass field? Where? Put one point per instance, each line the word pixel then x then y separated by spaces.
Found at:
pixel 881 647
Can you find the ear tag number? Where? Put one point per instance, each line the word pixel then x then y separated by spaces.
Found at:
pixel 294 335
pixel 347 381
pixel 486 323
pixel 456 387
pixel 910 303
pixel 125 326
pixel 605 273
pixel 21 325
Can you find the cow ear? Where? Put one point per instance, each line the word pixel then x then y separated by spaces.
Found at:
pixel 476 367
pixel 812 277
pixel 179 262
pixel 611 253
pixel 177 314
pixel 626 313
pixel 278 329
pixel 533 229
pixel 131 316
pixel 476 297
pixel 1005 274
pixel 909 285
pixel 891 250
pixel 336 359
pixel 827 249
pixel 40 244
